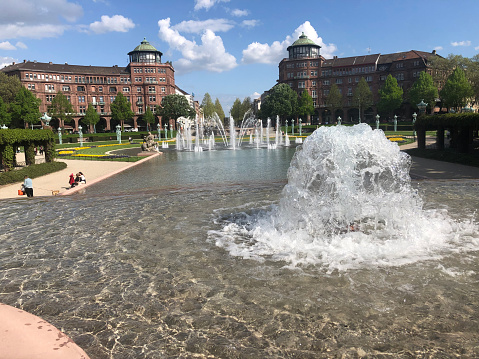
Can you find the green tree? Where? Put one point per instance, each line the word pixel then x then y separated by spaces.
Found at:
pixel 9 87
pixel 121 109
pixel 208 106
pixel 236 110
pixel 61 109
pixel 305 106
pixel 91 117
pixel 362 97
pixel 25 108
pixel 473 76
pixel 4 115
pixel 174 106
pixel 281 101
pixel 246 105
pixel 390 96
pixel 149 118
pixel 423 89
pixel 219 109
pixel 457 90
pixel 334 100
pixel 442 67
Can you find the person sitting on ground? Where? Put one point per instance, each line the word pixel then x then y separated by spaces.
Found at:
pixel 28 186
pixel 82 177
pixel 71 182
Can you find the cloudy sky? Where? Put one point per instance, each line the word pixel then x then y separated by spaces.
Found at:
pixel 229 48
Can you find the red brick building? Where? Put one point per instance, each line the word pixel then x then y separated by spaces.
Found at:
pixel 306 69
pixel 144 82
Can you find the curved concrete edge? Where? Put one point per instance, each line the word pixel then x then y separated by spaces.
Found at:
pixel 96 180
pixel 24 335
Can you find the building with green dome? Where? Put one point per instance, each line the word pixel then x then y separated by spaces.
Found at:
pixel 306 69
pixel 144 81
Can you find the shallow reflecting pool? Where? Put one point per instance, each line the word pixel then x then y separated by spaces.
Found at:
pixel 143 265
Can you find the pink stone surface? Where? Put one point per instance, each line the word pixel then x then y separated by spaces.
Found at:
pixel 26 336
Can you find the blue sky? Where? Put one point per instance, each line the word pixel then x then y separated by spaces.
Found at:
pixel 229 48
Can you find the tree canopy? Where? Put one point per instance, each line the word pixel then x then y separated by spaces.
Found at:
pixel 362 96
pixel 208 106
pixel 91 117
pixel 281 101
pixel 219 109
pixel 174 106
pixel 9 87
pixel 121 108
pixel 305 105
pixel 390 96
pixel 334 100
pixel 457 90
pixel 149 117
pixel 4 115
pixel 61 108
pixel 25 108
pixel 423 89
pixel 236 110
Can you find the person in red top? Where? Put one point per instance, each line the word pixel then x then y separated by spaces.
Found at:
pixel 72 181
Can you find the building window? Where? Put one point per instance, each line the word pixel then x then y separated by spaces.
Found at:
pixel 369 78
pixel 81 88
pixel 66 88
pixel 152 98
pixel 138 89
pixel 151 89
pixel 82 110
pixel 126 89
pixel 301 84
pixel 100 88
pixel 339 81
pixel 313 94
pixel 399 65
pixel 326 92
pixel 313 83
pixel 325 82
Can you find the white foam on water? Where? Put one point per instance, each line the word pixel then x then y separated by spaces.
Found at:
pixel 348 204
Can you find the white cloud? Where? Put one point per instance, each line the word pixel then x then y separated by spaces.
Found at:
pixel 255 95
pixel 36 19
pixel 461 43
pixel 250 23
pixel 117 23
pixel 21 45
pixel 6 45
pixel 12 31
pixel 274 53
pixel 438 48
pixel 6 61
pixel 476 48
pixel 239 13
pixel 207 4
pixel 210 55
pixel 214 25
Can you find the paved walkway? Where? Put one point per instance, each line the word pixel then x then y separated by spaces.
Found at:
pixel 94 172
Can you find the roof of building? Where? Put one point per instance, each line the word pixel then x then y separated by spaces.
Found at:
pixel 145 46
pixel 65 68
pixel 377 58
pixel 303 40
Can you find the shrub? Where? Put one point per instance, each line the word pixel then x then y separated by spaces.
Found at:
pixel 32 171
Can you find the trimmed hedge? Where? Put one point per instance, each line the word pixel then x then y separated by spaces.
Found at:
pixel 32 171
pixel 10 139
pixel 448 120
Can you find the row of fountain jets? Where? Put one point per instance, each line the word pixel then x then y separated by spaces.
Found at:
pixel 205 132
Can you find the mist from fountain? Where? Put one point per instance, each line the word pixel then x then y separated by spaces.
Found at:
pixel 348 203
pixel 232 133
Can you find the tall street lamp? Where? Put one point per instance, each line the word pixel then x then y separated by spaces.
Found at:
pixel 377 121
pixel 395 123
pixel 414 115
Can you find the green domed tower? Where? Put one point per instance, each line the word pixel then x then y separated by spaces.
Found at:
pixel 303 47
pixel 145 53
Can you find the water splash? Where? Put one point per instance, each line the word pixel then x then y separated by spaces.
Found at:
pixel 348 203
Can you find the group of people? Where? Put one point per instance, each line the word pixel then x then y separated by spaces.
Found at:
pixel 79 178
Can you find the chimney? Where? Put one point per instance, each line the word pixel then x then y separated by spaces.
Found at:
pixel 24 61
pixel 50 63
pixel 13 63
pixel 434 52
pixel 66 63
pixel 335 57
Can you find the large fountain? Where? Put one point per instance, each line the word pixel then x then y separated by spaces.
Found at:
pixel 230 254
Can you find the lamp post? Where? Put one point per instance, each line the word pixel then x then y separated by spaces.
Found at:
pixel 158 127
pixel 118 133
pixel 292 126
pixel 300 127
pixel 422 107
pixel 60 135
pixel 80 135
pixel 171 130
pixel 395 123
pixel 414 115
pixel 339 120
pixel 377 121
pixel 286 126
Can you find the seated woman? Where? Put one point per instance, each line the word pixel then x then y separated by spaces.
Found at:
pixel 82 178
